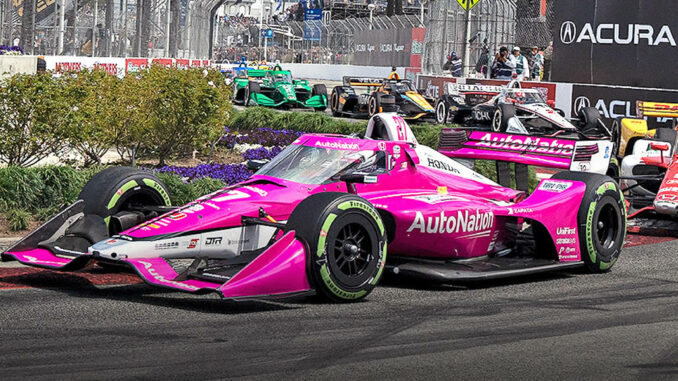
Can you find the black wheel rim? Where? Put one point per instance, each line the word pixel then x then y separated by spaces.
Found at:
pixel 607 226
pixel 335 101
pixel 352 248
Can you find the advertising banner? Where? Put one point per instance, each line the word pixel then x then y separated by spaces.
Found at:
pixel 167 62
pixel 383 47
pixel 417 46
pixel 616 42
pixel 134 65
pixel 183 64
pixel 616 102
pixel 62 64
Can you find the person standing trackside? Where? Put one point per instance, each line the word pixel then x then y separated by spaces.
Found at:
pixel 502 67
pixel 454 65
pixel 537 64
pixel 522 67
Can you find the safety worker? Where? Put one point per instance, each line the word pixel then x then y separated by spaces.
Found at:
pixel 394 74
pixel 522 67
pixel 454 64
pixel 502 67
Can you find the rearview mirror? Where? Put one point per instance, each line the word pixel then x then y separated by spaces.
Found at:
pixel 360 178
pixel 255 165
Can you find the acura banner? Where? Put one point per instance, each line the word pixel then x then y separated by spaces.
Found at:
pixel 387 47
pixel 616 42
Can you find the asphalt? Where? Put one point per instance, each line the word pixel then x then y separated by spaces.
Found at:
pixel 620 325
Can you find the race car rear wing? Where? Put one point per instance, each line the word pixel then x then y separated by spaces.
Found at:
pixel 362 81
pixel 524 150
pixel 656 109
pixel 467 88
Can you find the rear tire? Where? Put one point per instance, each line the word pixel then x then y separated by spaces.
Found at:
pixel 346 242
pixel 373 105
pixel 601 220
pixel 616 135
pixel 442 111
pixel 588 120
pixel 320 89
pixel 114 189
pixel 252 88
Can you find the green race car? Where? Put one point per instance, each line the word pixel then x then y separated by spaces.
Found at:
pixel 276 88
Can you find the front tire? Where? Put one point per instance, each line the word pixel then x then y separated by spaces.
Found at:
pixel 116 189
pixel 346 239
pixel 601 220
pixel 588 119
pixel 501 117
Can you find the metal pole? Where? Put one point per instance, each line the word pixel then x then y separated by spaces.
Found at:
pixel 2 21
pixel 467 44
pixel 62 27
pixel 189 27
pixel 124 28
pixel 167 29
pixel 261 19
pixel 75 28
pixel 35 10
pixel 94 27
pixel 421 15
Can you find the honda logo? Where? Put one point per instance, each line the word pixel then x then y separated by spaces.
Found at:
pixel 580 103
pixel 568 32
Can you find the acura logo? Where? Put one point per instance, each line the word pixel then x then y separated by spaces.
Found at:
pixel 580 103
pixel 568 32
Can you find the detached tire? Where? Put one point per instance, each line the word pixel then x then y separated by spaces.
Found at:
pixel 501 117
pixel 334 104
pixel 320 89
pixel 115 189
pixel 346 239
pixel 601 220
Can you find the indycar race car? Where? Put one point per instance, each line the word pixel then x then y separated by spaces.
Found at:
pixel 649 165
pixel 321 216
pixel 380 95
pixel 276 88
pixel 513 109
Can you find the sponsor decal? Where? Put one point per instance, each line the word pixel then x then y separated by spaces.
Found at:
pixel 441 190
pixel 161 278
pixel 433 163
pixel 519 210
pixel 213 241
pixel 396 152
pixel 566 231
pixel 166 245
pixel 212 205
pixel 337 145
pixel 526 144
pixel 565 241
pixel 463 222
pixel 481 115
pixel 231 195
pixel 193 243
pixel 177 216
pixel 381 146
pixel 619 34
pixel 436 198
pixel 554 186
pixel 237 241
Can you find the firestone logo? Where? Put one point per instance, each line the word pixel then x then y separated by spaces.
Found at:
pixel 609 34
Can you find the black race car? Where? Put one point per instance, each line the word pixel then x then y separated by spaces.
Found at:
pixel 364 97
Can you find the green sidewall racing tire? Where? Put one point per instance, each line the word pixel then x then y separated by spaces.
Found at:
pixel 601 220
pixel 114 189
pixel 322 222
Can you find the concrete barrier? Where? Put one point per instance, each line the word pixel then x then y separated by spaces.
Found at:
pixel 10 65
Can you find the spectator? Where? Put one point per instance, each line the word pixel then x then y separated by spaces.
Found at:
pixel 537 64
pixel 522 67
pixel 502 67
pixel 548 55
pixel 453 64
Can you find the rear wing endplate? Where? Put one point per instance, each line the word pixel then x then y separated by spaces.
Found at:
pixel 656 109
pixel 362 81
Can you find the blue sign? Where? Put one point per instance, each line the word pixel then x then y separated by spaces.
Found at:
pixel 313 24
pixel 267 33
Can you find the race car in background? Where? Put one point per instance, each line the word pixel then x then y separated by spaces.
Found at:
pixel 649 161
pixel 346 202
pixel 362 97
pixel 513 109
pixel 276 88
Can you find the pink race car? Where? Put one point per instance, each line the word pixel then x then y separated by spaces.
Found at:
pixel 321 216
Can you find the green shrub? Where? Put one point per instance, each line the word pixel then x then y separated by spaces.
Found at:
pixel 34 114
pixel 18 219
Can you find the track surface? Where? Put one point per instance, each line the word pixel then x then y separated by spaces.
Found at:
pixel 621 325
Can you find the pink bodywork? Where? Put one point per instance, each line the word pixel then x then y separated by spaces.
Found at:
pixel 436 214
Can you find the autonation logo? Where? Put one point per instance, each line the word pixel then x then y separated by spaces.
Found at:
pixel 620 34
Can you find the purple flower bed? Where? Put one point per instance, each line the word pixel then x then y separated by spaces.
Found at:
pixel 5 49
pixel 228 173
pixel 261 153
pixel 267 137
